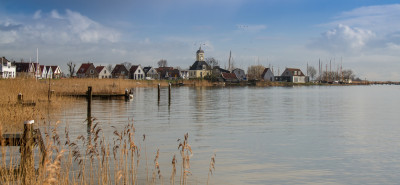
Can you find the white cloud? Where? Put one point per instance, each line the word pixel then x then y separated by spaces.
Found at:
pixel 55 28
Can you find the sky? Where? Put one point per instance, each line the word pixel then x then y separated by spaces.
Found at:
pixel 361 35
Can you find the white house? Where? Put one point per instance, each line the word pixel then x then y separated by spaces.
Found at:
pixel 103 72
pixel 151 73
pixel 240 74
pixel 7 70
pixel 49 72
pixel 293 75
pixel 56 71
pixel 43 72
pixel 268 75
pixel 136 73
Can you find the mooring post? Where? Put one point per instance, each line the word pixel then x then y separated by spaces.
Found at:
pixel 158 92
pixel 27 152
pixel 89 105
pixel 20 98
pixel 169 93
pixel 126 94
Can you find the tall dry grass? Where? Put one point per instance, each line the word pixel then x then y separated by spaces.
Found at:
pixel 92 159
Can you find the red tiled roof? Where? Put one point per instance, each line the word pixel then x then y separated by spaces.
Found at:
pixel 99 68
pixel 84 67
pixel 54 68
pixel 230 76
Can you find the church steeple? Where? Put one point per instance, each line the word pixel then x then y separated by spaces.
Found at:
pixel 200 55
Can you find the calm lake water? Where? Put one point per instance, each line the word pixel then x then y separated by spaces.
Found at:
pixel 274 135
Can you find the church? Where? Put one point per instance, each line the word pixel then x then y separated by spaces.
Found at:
pixel 200 68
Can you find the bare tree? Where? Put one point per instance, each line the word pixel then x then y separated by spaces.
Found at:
pixel 311 72
pixel 212 62
pixel 71 68
pixel 255 72
pixel 348 74
pixel 162 63
pixel 128 65
pixel 109 67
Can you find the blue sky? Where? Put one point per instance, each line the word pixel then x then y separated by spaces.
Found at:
pixel 362 35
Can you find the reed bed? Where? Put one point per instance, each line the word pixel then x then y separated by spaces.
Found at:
pixel 92 159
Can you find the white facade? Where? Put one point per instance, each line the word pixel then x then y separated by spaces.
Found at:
pixel 268 75
pixel 49 72
pixel 240 74
pixel 44 72
pixel 104 73
pixel 138 74
pixel 7 70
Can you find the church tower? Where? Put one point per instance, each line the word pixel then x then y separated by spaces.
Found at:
pixel 200 55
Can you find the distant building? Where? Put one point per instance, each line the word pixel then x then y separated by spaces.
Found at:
pixel 230 77
pixel 200 68
pixel 268 75
pixel 136 73
pixel 43 72
pixel 164 72
pixel 28 69
pixel 87 70
pixel 49 72
pixel 240 74
pixel 56 71
pixel 120 71
pixel 7 70
pixel 103 72
pixel 151 73
pixel 292 75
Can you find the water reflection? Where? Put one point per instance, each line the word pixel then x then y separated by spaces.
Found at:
pixel 278 135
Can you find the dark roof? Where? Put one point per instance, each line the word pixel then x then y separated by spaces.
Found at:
pixel 264 72
pixel 48 68
pixel 221 70
pixel 133 69
pixel 146 69
pixel 198 65
pixel 41 67
pixel 99 68
pixel 292 70
pixel 229 76
pixel 22 66
pixel 3 59
pixel 54 68
pixel 84 67
pixel 118 68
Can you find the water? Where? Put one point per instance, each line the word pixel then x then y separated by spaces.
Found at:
pixel 275 135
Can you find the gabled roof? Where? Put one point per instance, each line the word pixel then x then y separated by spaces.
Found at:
pixel 99 68
pixel 24 66
pixel 4 60
pixel 48 68
pixel 84 67
pixel 292 70
pixel 229 76
pixel 42 67
pixel 198 65
pixel 265 71
pixel 133 69
pixel 118 68
pixel 146 69
pixel 54 68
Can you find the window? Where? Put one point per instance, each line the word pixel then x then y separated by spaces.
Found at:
pixel 104 71
pixel 91 71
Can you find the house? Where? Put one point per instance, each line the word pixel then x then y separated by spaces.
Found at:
pixel 151 73
pixel 268 75
pixel 230 77
pixel 174 74
pixel 87 70
pixel 120 71
pixel 103 72
pixel 49 72
pixel 136 73
pixel 7 70
pixel 56 72
pixel 200 68
pixel 164 72
pixel 184 73
pixel 28 69
pixel 43 72
pixel 292 75
pixel 240 74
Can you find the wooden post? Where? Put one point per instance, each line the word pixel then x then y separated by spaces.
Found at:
pixel 20 98
pixel 169 93
pixel 89 105
pixel 126 95
pixel 158 92
pixel 27 152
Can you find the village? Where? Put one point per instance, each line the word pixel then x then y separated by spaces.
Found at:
pixel 202 68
